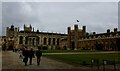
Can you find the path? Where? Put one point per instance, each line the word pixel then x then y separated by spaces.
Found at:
pixel 11 60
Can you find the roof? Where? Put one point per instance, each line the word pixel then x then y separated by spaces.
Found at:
pixel 46 33
pixel 105 34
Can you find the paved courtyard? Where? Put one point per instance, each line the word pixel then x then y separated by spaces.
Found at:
pixel 11 60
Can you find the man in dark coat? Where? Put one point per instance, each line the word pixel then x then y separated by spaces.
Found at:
pixel 25 53
pixel 38 55
pixel 31 55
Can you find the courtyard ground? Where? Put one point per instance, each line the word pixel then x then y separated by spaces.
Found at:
pixel 11 61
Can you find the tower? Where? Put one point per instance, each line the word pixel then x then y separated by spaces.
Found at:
pixel 11 36
pixel 75 41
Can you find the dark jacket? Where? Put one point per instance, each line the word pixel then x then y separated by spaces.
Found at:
pixel 31 53
pixel 38 53
pixel 25 53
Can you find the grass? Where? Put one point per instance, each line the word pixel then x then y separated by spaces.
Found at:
pixel 62 51
pixel 85 58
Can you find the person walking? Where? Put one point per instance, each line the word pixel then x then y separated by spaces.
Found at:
pixel 31 55
pixel 25 54
pixel 38 55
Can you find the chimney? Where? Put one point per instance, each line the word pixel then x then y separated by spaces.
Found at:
pixel 37 31
pixel 87 34
pixel 84 28
pixel 69 29
pixel 115 29
pixel 108 30
pixel 94 33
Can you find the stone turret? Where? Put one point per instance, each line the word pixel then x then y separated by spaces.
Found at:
pixel 76 27
pixel 27 28
pixel 84 28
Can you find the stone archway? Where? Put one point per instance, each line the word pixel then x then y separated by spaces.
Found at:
pixel 11 45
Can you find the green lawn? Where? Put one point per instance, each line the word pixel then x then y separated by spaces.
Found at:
pixel 85 58
pixel 62 51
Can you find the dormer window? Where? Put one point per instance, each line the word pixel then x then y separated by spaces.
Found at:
pixel 117 34
pixel 103 36
pixel 99 36
pixel 94 37
pixel 110 35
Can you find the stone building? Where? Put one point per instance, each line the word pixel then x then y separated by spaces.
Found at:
pixel 30 38
pixel 80 39
pixel 75 39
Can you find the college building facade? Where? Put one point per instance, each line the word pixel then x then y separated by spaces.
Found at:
pixel 16 39
pixel 82 40
pixel 75 39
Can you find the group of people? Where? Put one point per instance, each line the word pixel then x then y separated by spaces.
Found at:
pixel 28 54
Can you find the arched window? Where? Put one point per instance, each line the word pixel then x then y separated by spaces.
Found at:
pixel 26 40
pixel 37 40
pixel 45 41
pixel 33 41
pixel 53 41
pixel 49 41
pixel 58 41
pixel 21 40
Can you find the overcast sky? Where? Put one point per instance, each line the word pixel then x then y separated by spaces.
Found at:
pixel 57 16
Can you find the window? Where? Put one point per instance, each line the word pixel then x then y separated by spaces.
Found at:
pixel 33 41
pixel 53 41
pixel 49 41
pixel 37 41
pixel 26 40
pixel 45 41
pixel 57 41
pixel 20 40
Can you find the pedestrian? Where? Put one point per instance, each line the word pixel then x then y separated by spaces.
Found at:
pixel 38 55
pixel 31 55
pixel 20 54
pixel 25 54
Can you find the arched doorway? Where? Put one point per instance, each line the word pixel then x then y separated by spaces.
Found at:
pixel 11 45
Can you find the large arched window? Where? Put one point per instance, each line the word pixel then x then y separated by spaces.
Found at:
pixel 49 41
pixel 53 41
pixel 45 41
pixel 21 40
pixel 57 41
pixel 38 39
pixel 33 41
pixel 26 40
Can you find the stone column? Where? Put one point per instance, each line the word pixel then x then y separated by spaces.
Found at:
pixel 23 40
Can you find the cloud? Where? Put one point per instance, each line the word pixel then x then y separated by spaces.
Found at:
pixel 0 19
pixel 57 16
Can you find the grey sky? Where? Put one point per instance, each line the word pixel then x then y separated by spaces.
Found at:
pixel 57 16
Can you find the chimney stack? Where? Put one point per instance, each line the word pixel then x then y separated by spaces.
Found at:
pixel 108 30
pixel 115 29
pixel 69 30
pixel 84 28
